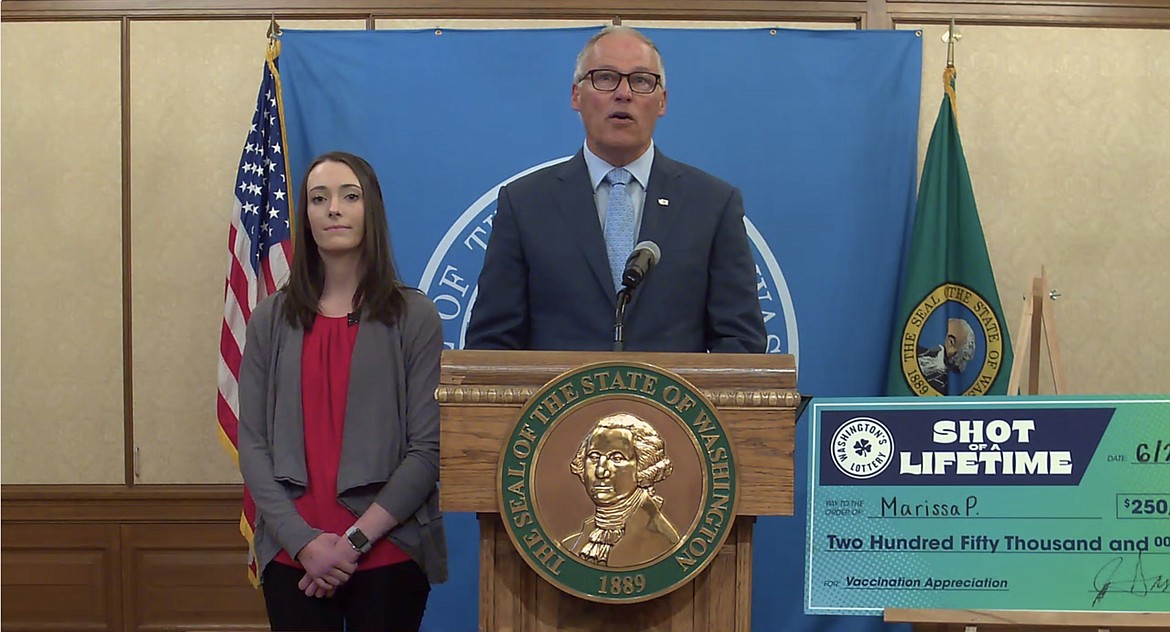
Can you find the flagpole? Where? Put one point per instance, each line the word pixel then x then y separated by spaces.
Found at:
pixel 948 277
pixel 259 254
pixel 949 73
pixel 950 39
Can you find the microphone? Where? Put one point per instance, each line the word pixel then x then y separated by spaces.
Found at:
pixel 645 256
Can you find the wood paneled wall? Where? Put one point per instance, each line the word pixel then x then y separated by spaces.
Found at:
pixel 97 557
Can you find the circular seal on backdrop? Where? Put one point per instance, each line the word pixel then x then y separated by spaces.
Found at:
pixel 618 483
pixel 862 447
pixel 969 353
pixel 449 278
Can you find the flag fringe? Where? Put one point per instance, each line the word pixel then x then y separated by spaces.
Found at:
pixel 273 53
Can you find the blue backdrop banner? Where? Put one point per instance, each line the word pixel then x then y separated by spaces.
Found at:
pixel 817 128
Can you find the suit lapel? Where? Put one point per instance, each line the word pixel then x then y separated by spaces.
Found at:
pixel 574 197
pixel 657 216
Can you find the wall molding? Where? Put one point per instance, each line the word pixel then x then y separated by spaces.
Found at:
pixel 864 13
pixel 121 504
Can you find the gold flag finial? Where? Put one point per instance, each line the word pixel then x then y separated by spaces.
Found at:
pixel 951 37
pixel 949 73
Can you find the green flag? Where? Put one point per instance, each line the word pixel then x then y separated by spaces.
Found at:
pixel 950 335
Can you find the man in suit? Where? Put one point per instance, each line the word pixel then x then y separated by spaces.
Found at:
pixel 553 263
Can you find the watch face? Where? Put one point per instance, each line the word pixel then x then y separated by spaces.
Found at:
pixel 358 539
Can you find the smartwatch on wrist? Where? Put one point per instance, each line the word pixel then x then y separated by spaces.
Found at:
pixel 357 539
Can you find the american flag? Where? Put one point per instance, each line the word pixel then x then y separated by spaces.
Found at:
pixel 259 251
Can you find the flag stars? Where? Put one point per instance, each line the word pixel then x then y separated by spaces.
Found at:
pixel 264 200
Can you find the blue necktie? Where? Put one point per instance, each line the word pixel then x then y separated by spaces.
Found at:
pixel 619 224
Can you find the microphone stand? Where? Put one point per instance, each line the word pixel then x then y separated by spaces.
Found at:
pixel 619 336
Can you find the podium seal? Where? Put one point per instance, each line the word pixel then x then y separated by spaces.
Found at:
pixel 617 484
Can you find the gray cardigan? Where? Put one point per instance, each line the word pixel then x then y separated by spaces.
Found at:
pixel 390 443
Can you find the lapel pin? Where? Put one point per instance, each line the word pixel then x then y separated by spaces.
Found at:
pixel 663 202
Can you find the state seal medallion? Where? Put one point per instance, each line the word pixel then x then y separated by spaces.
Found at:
pixel 618 484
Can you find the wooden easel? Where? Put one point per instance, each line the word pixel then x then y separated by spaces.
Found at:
pixel 1027 620
pixel 1036 323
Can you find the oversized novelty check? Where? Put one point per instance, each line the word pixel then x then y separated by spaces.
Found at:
pixel 991 503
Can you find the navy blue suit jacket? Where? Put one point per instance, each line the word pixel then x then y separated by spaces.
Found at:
pixel 546 284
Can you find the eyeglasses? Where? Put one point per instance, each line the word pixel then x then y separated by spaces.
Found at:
pixel 608 80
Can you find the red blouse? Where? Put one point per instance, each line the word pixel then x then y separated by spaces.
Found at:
pixel 325 361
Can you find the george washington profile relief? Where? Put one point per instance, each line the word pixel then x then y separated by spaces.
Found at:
pixel 619 462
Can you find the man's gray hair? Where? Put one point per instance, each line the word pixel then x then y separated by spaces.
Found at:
pixel 580 69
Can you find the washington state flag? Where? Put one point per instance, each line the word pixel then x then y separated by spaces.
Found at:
pixel 950 336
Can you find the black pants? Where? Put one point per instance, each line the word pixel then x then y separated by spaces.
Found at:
pixel 387 599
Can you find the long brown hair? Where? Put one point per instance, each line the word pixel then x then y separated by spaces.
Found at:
pixel 379 292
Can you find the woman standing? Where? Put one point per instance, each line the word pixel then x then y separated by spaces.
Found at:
pixel 339 427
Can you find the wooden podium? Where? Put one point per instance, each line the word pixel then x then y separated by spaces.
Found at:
pixel 481 395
